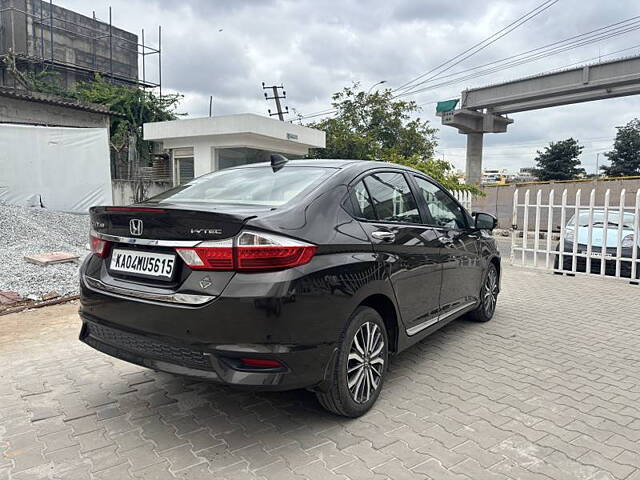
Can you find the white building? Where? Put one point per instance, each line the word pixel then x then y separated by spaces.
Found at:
pixel 503 176
pixel 202 145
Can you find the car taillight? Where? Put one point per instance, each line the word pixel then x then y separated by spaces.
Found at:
pixel 262 251
pixel 98 246
pixel 209 255
pixel 252 252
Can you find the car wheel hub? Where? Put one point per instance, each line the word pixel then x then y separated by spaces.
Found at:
pixel 365 363
pixel 490 294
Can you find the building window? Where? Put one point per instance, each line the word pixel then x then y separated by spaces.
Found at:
pixel 235 157
pixel 184 170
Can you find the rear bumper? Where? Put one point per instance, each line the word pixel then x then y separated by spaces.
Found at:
pixel 219 365
pixel 207 341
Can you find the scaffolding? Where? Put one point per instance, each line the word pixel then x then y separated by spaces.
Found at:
pixel 100 34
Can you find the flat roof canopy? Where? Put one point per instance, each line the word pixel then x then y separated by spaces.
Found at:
pixel 241 130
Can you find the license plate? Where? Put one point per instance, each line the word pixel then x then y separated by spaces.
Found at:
pixel 146 264
pixel 607 256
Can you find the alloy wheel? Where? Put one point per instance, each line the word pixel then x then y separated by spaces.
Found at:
pixel 490 294
pixel 365 364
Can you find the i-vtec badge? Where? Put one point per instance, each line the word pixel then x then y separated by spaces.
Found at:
pixel 206 231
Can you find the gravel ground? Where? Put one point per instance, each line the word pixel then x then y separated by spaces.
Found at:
pixel 27 231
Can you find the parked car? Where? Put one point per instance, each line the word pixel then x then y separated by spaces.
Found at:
pixel 614 236
pixel 286 275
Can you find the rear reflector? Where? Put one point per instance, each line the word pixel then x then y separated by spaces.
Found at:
pixel 98 246
pixel 253 252
pixel 260 363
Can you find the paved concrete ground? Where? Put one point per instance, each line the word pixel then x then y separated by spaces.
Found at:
pixel 549 389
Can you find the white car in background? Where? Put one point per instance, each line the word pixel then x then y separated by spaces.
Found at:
pixel 628 241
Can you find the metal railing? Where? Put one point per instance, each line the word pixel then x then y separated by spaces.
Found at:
pixel 465 199
pixel 577 238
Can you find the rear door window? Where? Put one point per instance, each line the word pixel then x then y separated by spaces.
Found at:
pixel 391 197
pixel 444 211
pixel 361 201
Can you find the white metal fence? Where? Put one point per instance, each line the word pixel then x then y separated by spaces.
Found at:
pixel 464 198
pixel 566 235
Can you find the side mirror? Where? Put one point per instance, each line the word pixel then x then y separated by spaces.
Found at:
pixel 484 221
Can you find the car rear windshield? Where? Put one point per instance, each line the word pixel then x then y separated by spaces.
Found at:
pixel 248 186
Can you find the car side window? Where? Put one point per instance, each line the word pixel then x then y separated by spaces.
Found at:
pixel 444 211
pixel 362 202
pixel 392 198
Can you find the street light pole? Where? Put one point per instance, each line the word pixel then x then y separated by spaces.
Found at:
pixel 375 85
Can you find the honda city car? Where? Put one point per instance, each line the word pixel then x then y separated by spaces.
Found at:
pixel 286 275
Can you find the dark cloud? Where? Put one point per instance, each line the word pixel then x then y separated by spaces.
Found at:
pixel 447 12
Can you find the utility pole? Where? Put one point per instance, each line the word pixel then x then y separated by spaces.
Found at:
pixel 276 96
pixel 210 104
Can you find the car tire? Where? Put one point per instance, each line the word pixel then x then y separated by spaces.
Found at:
pixel 360 367
pixel 488 296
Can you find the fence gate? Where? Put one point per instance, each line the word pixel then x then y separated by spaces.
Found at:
pixel 575 237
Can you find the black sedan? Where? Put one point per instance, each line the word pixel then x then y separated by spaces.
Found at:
pixel 285 275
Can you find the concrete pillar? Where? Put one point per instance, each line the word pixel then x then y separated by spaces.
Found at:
pixel 473 174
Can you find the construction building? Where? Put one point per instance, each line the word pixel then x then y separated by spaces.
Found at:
pixel 38 36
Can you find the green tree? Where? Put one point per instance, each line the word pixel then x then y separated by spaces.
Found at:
pixel 625 156
pixel 132 107
pixel 440 170
pixel 376 126
pixel 559 161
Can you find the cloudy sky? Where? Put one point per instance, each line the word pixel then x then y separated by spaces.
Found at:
pixel 226 48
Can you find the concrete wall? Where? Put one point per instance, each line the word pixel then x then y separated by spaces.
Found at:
pixel 499 199
pixel 15 110
pixel 74 41
pixel 125 191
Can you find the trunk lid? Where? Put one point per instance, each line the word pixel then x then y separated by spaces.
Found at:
pixel 179 222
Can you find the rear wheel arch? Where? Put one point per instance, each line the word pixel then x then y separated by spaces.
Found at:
pixel 387 310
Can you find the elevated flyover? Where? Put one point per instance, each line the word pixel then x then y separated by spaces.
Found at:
pixel 483 110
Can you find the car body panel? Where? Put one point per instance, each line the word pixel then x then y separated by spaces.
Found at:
pixel 462 268
pixel 413 262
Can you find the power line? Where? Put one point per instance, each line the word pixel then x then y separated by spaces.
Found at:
pixel 554 48
pixel 502 32
pixel 478 47
pixel 587 60
pixel 570 43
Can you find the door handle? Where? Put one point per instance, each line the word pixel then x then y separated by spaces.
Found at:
pixel 384 235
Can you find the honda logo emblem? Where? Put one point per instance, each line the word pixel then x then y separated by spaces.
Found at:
pixel 135 226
